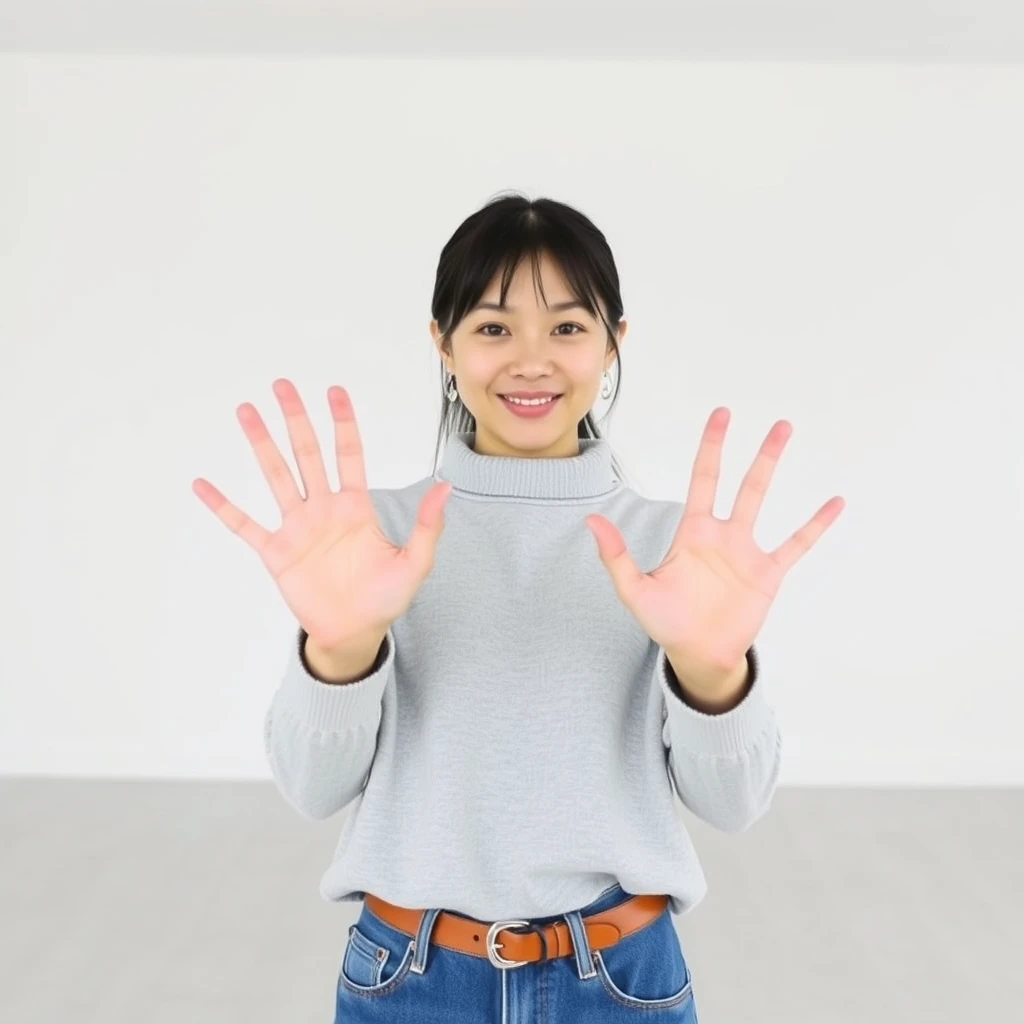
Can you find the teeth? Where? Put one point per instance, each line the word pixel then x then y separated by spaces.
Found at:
pixel 528 401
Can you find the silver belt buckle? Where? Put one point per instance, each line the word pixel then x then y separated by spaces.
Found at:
pixel 492 947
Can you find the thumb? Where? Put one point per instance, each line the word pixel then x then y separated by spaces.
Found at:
pixel 611 549
pixel 428 526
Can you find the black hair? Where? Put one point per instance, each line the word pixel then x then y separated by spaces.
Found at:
pixel 498 237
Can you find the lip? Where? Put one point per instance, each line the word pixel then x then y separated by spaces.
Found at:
pixel 531 412
pixel 530 394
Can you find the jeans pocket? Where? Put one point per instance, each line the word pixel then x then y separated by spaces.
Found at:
pixel 376 960
pixel 646 970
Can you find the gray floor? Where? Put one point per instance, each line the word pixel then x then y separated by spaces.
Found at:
pixel 164 902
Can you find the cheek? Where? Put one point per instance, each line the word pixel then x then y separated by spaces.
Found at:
pixel 586 375
pixel 478 372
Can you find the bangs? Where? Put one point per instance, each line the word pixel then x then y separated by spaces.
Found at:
pixel 503 248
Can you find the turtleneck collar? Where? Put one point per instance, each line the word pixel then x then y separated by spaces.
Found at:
pixel 586 475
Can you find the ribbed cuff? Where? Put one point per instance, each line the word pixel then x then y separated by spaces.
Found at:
pixel 335 707
pixel 725 735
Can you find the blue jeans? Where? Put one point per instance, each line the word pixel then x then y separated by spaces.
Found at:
pixel 642 977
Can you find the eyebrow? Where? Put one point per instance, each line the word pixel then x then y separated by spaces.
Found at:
pixel 558 307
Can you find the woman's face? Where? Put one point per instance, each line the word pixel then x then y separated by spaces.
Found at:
pixel 529 347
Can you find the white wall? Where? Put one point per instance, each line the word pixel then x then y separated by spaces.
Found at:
pixel 836 245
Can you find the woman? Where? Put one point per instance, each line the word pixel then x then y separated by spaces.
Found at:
pixel 511 703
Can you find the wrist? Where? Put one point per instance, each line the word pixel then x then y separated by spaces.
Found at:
pixel 714 692
pixel 347 663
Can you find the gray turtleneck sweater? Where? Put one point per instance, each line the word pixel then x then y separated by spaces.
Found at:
pixel 519 744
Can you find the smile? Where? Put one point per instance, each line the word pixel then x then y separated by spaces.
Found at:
pixel 530 409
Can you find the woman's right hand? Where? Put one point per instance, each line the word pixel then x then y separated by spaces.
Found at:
pixel 340 575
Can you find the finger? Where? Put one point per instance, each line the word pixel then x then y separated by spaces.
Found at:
pixel 275 469
pixel 348 445
pixel 429 524
pixel 612 550
pixel 308 456
pixel 700 498
pixel 755 484
pixel 232 517
pixel 792 550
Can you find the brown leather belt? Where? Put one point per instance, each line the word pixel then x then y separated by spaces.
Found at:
pixel 543 942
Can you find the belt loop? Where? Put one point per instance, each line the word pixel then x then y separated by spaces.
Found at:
pixel 422 940
pixel 581 945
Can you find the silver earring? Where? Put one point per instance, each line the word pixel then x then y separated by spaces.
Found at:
pixel 606 387
pixel 450 390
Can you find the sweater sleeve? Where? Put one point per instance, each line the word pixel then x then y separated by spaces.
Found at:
pixel 320 739
pixel 725 767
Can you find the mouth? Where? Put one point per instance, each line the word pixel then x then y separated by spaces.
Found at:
pixel 531 409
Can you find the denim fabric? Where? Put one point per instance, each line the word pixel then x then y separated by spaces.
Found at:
pixel 643 976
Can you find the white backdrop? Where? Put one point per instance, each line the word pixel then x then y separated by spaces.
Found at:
pixel 839 245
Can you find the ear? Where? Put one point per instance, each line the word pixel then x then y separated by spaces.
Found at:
pixel 436 335
pixel 620 334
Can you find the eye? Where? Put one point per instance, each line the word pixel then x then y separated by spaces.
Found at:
pixel 568 323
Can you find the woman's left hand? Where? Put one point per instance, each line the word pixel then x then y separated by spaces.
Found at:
pixel 707 601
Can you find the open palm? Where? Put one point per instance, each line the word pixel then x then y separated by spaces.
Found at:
pixel 710 595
